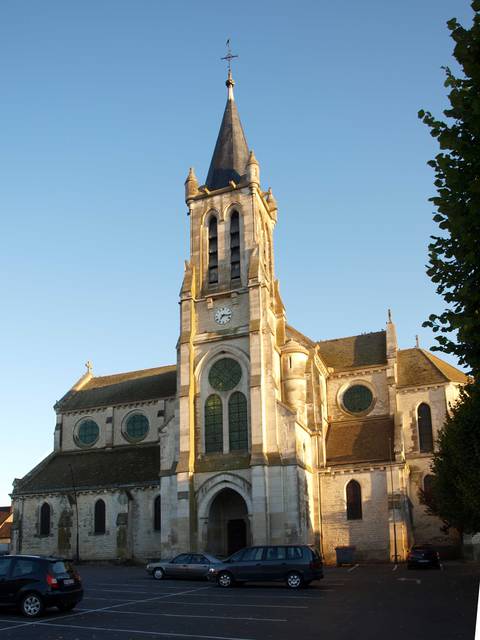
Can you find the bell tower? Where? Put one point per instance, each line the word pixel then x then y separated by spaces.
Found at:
pixel 231 323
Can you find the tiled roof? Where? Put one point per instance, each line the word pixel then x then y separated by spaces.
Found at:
pixel 299 337
pixel 365 350
pixel 97 468
pixel 5 530
pixel 4 513
pixel 360 440
pixel 417 367
pixel 122 388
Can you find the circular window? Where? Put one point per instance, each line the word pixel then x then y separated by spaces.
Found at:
pixel 357 399
pixel 136 427
pixel 87 433
pixel 225 374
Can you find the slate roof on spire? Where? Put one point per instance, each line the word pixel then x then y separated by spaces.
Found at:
pixel 230 156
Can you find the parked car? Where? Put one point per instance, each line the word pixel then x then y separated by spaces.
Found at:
pixel 423 555
pixel 185 565
pixel 33 583
pixel 297 565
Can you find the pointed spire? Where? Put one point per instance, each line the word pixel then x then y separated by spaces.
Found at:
pixel 230 156
pixel 191 185
pixel 253 169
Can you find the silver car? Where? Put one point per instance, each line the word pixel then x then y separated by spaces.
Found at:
pixel 185 565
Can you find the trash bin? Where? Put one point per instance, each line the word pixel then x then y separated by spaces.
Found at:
pixel 345 555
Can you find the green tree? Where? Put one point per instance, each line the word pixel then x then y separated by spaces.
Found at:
pixel 454 255
pixel 455 494
pixel 454 266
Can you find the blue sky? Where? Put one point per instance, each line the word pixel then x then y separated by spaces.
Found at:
pixel 105 105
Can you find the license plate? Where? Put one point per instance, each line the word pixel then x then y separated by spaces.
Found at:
pixel 69 581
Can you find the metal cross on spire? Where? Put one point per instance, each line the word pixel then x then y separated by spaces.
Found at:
pixel 229 57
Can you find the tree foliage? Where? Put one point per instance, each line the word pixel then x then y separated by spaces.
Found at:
pixel 454 266
pixel 455 495
pixel 454 255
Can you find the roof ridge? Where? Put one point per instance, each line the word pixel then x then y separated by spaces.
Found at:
pixel 356 335
pixel 123 373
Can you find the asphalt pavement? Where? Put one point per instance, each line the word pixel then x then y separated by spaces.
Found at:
pixel 359 602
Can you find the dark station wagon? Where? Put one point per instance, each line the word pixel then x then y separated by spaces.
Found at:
pixel 33 583
pixel 296 565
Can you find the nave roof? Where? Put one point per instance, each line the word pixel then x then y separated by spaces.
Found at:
pixel 122 388
pixel 93 469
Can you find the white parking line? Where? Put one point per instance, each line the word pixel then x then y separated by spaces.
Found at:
pixel 256 596
pixel 395 567
pixel 108 599
pixel 355 566
pixel 183 615
pixel 127 591
pixel 147 633
pixel 410 580
pixel 133 587
pixel 231 604
pixel 113 606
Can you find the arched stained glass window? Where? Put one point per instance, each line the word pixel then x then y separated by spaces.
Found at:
pixel 212 251
pixel 234 246
pixel 225 374
pixel 157 514
pixel 237 422
pixel 45 513
pixel 99 517
pixel 213 424
pixel 354 500
pixel 425 435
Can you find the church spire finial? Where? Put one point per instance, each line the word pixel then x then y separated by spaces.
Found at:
pixel 230 81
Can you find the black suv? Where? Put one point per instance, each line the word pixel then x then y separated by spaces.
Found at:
pixel 33 583
pixel 297 565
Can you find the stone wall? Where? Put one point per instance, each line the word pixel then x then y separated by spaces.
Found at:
pixel 370 535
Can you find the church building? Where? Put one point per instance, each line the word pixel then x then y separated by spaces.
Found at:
pixel 259 434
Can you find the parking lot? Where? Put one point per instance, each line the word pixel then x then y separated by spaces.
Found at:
pixel 361 602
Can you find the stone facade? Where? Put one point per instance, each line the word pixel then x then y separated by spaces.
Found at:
pixel 258 434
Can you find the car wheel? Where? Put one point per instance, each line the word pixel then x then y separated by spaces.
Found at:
pixel 66 607
pixel 31 605
pixel 159 574
pixel 225 579
pixel 294 580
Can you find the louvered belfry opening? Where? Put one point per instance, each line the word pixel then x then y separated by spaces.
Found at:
pixel 212 251
pixel 235 246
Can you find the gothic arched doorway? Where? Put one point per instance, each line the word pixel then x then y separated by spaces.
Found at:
pixel 228 524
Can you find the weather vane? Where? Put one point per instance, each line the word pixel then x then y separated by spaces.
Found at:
pixel 229 57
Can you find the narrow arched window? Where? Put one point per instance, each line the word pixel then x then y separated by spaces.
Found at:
pixel 425 435
pixel 237 422
pixel 212 251
pixel 45 513
pixel 354 501
pixel 157 514
pixel 99 519
pixel 213 424
pixel 234 246
pixel 428 486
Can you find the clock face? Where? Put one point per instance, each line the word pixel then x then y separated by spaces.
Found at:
pixel 223 315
